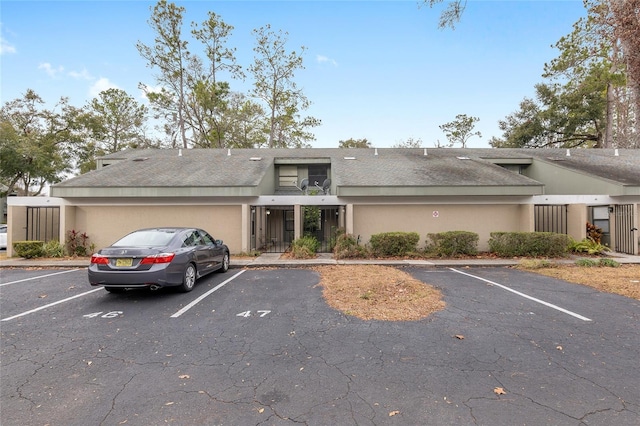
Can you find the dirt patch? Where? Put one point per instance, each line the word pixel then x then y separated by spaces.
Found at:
pixel 373 292
pixel 623 280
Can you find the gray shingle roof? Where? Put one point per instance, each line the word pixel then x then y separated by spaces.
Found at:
pixel 391 167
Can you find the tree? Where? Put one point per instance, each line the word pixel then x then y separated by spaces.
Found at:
pixel 208 104
pixel 590 58
pixel 560 117
pixel 355 143
pixel 273 70
pixel 451 15
pixel 171 57
pixel 35 143
pixel 408 143
pixel 116 121
pixel 625 20
pixel 460 130
pixel 611 28
pixel 246 121
pixel 113 121
pixel 585 103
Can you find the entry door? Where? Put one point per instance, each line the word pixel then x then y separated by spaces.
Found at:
pixel 626 235
pixel 600 218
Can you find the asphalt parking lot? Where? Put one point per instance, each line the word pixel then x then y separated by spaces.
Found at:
pixel 261 347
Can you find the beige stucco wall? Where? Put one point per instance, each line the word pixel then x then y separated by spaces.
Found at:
pixel 16 231
pixel 577 221
pixel 479 218
pixel 105 224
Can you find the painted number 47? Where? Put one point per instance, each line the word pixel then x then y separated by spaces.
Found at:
pixel 247 314
pixel 112 314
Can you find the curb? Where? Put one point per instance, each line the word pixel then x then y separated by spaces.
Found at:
pixel 274 260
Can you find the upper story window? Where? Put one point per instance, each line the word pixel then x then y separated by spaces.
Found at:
pixel 288 176
pixel 317 174
pixel 295 175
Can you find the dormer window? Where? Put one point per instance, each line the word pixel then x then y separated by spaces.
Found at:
pixel 317 174
pixel 288 176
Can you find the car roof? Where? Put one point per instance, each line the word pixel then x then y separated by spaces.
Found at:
pixel 165 228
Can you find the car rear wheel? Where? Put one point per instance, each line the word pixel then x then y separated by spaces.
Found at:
pixel 225 263
pixel 115 289
pixel 189 278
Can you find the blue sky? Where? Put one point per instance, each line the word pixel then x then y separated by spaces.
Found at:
pixel 379 70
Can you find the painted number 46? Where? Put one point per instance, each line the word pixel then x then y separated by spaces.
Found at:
pixel 247 314
pixel 112 314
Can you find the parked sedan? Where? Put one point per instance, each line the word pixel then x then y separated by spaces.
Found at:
pixel 158 257
pixel 3 237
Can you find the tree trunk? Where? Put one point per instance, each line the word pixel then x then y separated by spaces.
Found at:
pixel 608 131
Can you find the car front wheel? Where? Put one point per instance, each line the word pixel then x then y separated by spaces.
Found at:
pixel 225 263
pixel 189 278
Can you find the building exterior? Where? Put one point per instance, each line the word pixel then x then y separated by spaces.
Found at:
pixel 263 199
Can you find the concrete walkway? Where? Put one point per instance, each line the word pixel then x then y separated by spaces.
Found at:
pixel 276 260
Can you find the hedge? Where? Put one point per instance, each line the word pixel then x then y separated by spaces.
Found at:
pixel 29 249
pixel 394 243
pixel 452 243
pixel 531 244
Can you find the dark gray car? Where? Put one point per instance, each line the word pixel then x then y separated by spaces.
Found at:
pixel 158 257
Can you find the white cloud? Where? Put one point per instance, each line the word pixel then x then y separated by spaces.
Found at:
pixel 82 75
pixel 321 59
pixel 6 47
pixel 149 89
pixel 50 70
pixel 101 85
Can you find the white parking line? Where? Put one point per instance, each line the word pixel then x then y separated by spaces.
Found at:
pixel 542 302
pixel 51 304
pixel 195 302
pixel 39 276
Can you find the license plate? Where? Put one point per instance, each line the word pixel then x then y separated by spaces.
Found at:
pixel 124 262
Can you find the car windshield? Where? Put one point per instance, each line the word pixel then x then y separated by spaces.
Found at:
pixel 146 238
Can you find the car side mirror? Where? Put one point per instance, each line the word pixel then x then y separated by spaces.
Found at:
pixel 219 242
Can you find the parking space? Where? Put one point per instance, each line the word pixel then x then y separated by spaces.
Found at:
pixel 262 347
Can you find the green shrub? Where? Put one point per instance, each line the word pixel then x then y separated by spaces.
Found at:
pixel 394 243
pixel 604 262
pixel 586 262
pixel 529 244
pixel 452 243
pixel 608 263
pixel 53 248
pixel 347 247
pixel 588 246
pixel 305 247
pixel 29 249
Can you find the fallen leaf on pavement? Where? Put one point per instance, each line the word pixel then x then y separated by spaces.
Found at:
pixel 393 413
pixel 499 391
